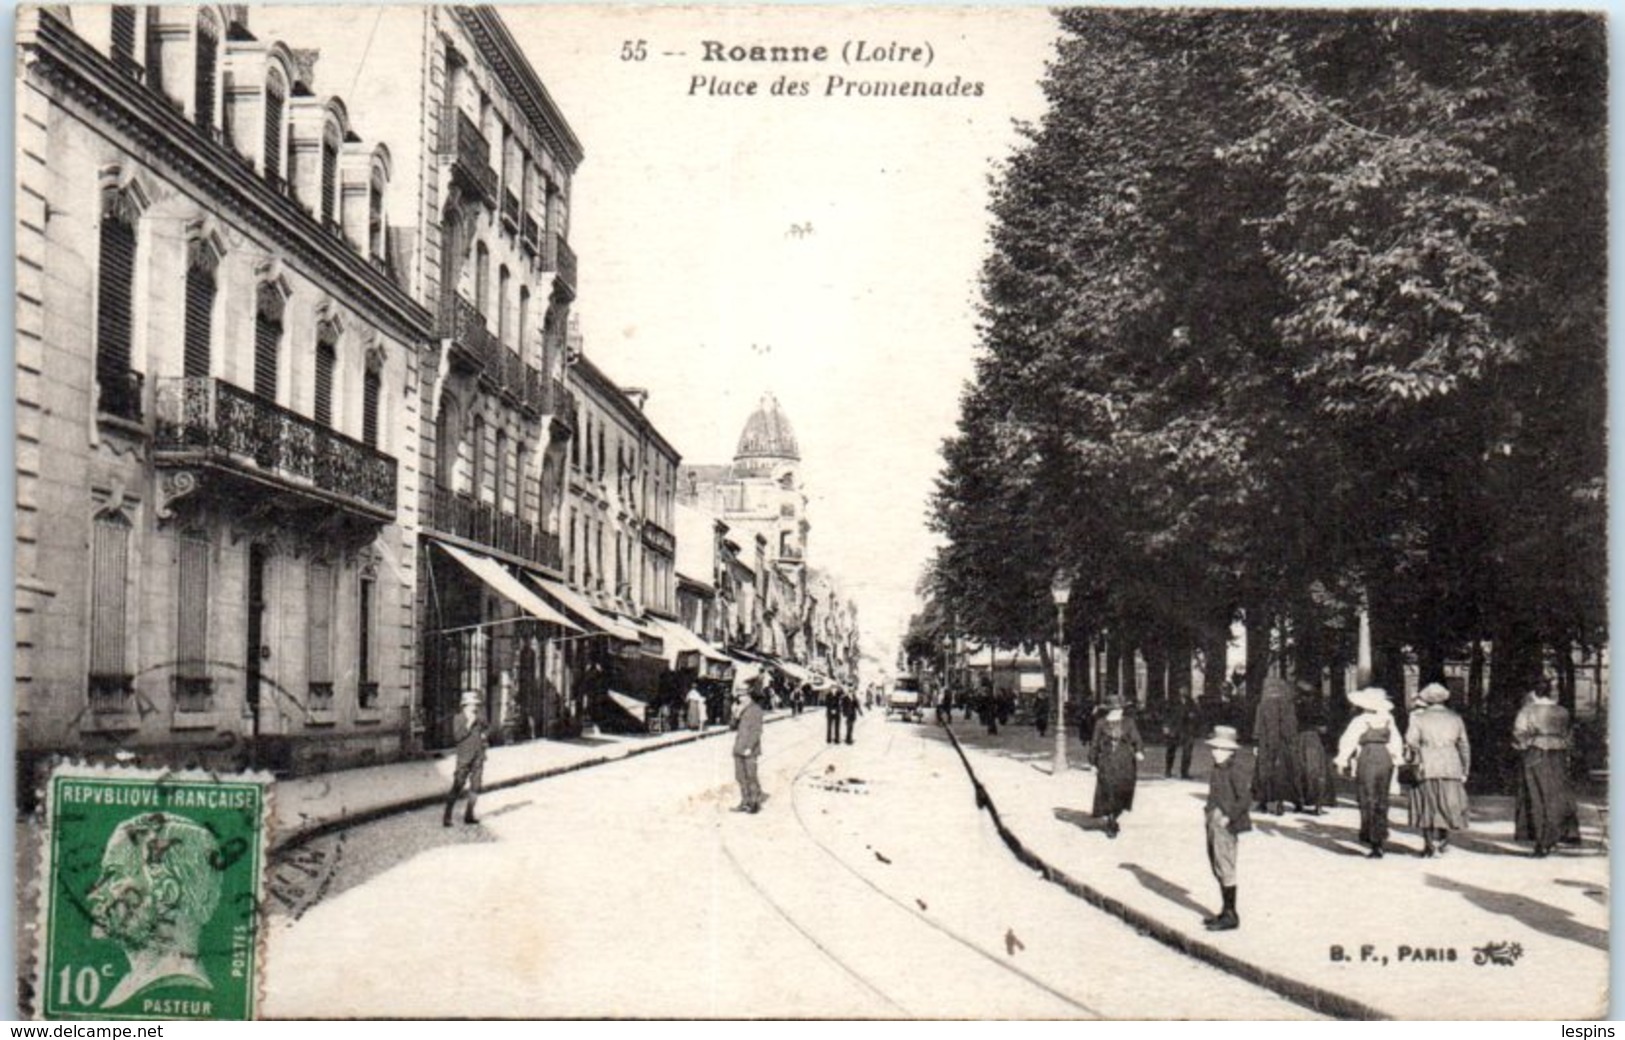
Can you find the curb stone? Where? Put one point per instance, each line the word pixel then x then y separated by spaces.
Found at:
pixel 345 820
pixel 1315 998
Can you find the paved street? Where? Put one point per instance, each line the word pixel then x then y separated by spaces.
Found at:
pixel 870 886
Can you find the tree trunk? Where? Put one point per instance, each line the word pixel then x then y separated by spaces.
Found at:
pixel 1475 679
pixel 1114 665
pixel 1179 666
pixel 1215 668
pixel 1156 673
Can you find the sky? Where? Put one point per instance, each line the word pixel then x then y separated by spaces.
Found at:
pixel 700 280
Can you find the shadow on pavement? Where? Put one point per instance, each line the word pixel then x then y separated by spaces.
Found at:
pixel 1328 837
pixel 1531 913
pixel 1595 893
pixel 1081 820
pixel 1178 895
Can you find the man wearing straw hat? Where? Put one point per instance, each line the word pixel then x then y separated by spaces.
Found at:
pixel 1229 794
pixel 469 730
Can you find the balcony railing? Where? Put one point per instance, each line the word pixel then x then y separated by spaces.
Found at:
pixel 510 211
pixel 563 404
pixel 211 421
pixel 367 695
pixel 559 257
pixel 465 327
pixel 320 697
pixel 530 235
pixel 121 394
pixel 471 155
pixel 462 515
pixel 193 694
pixel 534 397
pixel 112 693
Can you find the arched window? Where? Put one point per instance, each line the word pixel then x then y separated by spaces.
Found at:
pixel 276 99
pixel 115 296
pixel 267 339
pixel 205 68
pixel 330 174
pixel 504 309
pixel 375 217
pixel 522 333
pixel 200 294
pixel 482 278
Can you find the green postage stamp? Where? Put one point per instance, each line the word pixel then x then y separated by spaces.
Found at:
pixel 151 894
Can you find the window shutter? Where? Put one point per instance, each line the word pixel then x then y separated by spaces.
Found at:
pixel 192 625
pixel 267 340
pixel 330 166
pixel 203 99
pixel 369 410
pixel 325 359
pixel 321 623
pixel 200 292
pixel 123 32
pixel 110 554
pixel 273 133
pixel 364 631
pixel 115 279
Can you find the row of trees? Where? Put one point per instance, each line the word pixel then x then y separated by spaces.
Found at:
pixel 1290 315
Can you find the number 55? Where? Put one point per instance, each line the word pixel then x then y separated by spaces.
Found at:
pixel 633 50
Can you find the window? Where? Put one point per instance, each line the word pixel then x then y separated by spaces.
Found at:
pixel 479 457
pixel 326 361
pixel 369 408
pixel 447 435
pixel 600 451
pixel 267 340
pixel 319 635
pixel 367 692
pixel 275 97
pixel 123 34
pixel 155 50
pixel 115 278
pixel 523 330
pixel 482 278
pixel 330 175
pixel 192 687
pixel 504 311
pixel 375 219
pixel 200 293
pixel 109 571
pixel 570 547
pixel 208 46
pixel 500 495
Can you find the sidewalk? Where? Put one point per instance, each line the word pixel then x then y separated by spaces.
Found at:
pixel 309 806
pixel 1350 937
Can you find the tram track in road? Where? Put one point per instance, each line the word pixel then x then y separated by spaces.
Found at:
pixel 935 931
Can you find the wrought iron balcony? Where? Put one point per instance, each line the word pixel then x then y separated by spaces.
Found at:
pixel 209 422
pixel 112 693
pixel 455 513
pixel 192 693
pixel 465 327
pixel 471 156
pixel 563 405
pixel 367 695
pixel 121 394
pixel 320 697
pixel 559 257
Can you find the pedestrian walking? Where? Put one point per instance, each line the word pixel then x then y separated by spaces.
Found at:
pixel 1041 713
pixel 850 710
pixel 748 749
pixel 832 715
pixel 1180 730
pixel 1275 734
pixel 1229 793
pixel 1546 811
pixel 469 730
pixel 1437 743
pixel 1369 750
pixel 1317 785
pixel 1115 750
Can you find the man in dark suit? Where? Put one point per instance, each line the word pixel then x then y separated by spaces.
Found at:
pixel 468 729
pixel 748 749
pixel 1229 794
pixel 850 711
pixel 832 715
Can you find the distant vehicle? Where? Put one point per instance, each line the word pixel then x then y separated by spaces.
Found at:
pixel 904 698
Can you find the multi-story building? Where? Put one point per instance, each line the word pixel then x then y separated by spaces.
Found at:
pixel 482 223
pixel 217 386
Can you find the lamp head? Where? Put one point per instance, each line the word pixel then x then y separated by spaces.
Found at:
pixel 1060 587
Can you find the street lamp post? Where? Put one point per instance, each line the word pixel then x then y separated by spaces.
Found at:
pixel 1061 592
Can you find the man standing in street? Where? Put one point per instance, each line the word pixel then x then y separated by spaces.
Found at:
pixel 850 711
pixel 748 750
pixel 832 714
pixel 468 729
pixel 1229 795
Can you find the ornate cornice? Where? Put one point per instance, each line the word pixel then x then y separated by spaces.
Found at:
pixel 497 46
pixel 53 51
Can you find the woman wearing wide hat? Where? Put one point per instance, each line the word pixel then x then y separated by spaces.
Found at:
pixel 1115 749
pixel 1437 742
pixel 1545 807
pixel 1369 750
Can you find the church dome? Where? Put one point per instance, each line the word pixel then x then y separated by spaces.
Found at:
pixel 767 436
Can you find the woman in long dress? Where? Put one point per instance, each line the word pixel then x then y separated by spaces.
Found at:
pixel 1545 805
pixel 1275 733
pixel 1115 749
pixel 1369 749
pixel 1437 743
pixel 1316 786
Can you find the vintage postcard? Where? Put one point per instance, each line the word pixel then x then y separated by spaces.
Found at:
pixel 934 512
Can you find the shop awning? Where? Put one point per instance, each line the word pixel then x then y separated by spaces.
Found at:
pixel 628 703
pixel 678 638
pixel 577 604
pixel 497 578
pixel 795 671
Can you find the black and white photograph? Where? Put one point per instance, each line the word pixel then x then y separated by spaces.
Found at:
pixel 587 511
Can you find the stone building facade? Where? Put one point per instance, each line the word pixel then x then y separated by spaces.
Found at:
pixel 217 400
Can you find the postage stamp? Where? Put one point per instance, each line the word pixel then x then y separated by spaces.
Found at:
pixel 151 894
